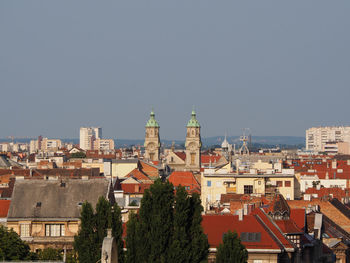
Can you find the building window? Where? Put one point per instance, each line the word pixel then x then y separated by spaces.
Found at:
pixel 287 184
pixel 248 189
pixel 208 183
pixel 54 230
pixel 279 183
pixel 24 228
pixel 193 158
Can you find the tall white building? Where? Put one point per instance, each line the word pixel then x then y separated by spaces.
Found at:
pixel 88 135
pixel 318 137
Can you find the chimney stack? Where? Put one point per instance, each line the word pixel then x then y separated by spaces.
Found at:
pixel 240 214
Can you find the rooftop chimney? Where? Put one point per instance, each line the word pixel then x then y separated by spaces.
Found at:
pixel 240 214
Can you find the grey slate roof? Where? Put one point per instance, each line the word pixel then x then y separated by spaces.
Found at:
pixel 44 199
pixel 6 162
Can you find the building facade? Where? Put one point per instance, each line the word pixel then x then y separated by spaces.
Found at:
pixel 88 135
pixel 317 137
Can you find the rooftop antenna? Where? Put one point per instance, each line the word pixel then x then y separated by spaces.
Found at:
pixel 244 150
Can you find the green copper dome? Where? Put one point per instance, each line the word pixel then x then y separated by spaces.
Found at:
pixel 152 121
pixel 193 122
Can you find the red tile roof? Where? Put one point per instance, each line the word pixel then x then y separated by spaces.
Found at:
pixel 206 159
pixel 336 192
pixel 299 217
pixel 185 179
pixel 275 230
pixel 4 207
pixel 181 155
pixel 135 188
pixel 288 226
pixel 136 173
pixel 216 225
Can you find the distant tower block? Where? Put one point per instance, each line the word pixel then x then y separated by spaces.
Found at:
pixel 152 141
pixel 193 144
pixel 244 148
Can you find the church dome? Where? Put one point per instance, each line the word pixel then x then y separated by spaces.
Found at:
pixel 193 122
pixel 152 121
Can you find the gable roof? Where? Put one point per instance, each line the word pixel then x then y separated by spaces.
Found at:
pixel 139 175
pixel 50 199
pixel 216 225
pixel 181 155
pixel 185 179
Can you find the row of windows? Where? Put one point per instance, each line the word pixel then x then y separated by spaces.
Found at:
pixel 51 230
pixel 279 184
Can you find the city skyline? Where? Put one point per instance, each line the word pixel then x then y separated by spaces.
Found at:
pixel 242 65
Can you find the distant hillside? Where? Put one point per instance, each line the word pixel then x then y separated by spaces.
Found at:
pixel 210 141
pixel 264 140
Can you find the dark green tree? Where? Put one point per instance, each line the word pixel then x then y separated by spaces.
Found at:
pixel 93 229
pixel 231 250
pixel 181 239
pixel 154 227
pixel 132 240
pixel 103 220
pixel 199 245
pixel 50 254
pixel 85 242
pixel 78 155
pixel 12 247
pixel 117 231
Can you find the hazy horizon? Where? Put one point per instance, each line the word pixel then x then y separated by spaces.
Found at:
pixel 275 67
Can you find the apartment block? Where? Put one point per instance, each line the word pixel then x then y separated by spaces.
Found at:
pixel 103 144
pixel 88 135
pixel 318 137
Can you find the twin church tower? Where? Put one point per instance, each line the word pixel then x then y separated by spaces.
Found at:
pixel 193 142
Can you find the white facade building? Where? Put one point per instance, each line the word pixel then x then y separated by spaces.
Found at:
pixel 308 181
pixel 88 135
pixel 317 137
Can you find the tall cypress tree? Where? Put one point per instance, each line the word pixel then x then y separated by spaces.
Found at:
pixel 85 241
pixel 117 231
pixel 103 219
pixel 167 231
pixel 132 238
pixel 181 239
pixel 231 250
pixel 199 246
pixel 156 222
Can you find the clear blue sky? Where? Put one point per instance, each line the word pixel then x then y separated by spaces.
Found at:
pixel 277 67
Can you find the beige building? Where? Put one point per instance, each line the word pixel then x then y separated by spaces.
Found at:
pixel 45 145
pixel 46 213
pixel 120 168
pixel 152 140
pixel 216 183
pixel 103 144
pixel 88 135
pixel 317 137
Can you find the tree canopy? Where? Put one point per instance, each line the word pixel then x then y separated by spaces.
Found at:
pixel 93 229
pixel 12 247
pixel 231 250
pixel 167 227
